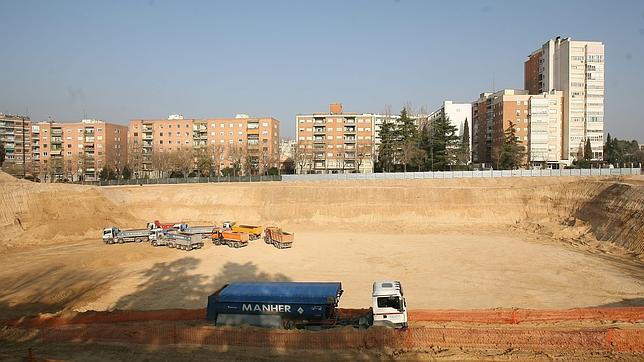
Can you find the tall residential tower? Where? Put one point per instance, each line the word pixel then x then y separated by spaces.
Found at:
pixel 577 69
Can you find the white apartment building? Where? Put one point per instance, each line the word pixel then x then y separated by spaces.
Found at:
pixel 544 128
pixel 577 69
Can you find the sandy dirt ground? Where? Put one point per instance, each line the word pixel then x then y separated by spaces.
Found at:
pixel 542 243
pixel 449 270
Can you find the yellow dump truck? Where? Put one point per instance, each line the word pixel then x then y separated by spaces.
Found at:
pixel 253 231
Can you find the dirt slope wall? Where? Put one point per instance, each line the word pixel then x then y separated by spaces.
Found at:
pixel 612 209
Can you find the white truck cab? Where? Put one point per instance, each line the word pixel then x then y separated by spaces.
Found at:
pixel 389 306
pixel 109 234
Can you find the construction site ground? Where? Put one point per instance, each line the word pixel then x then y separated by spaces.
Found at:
pixel 531 243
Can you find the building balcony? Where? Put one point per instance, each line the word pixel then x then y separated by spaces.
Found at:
pixel 319 130
pixel 319 140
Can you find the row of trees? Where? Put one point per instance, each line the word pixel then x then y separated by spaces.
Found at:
pixel 618 151
pixel 429 146
pixel 203 161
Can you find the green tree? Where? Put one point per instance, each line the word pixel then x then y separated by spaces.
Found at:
pixel 104 174
pixel 588 151
pixel 512 152
pixel 407 143
pixel 2 153
pixel 387 151
pixel 440 142
pixel 463 154
pixel 609 152
pixel 127 174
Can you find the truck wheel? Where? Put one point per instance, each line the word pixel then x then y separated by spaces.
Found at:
pixel 121 241
pixel 154 243
pixel 289 324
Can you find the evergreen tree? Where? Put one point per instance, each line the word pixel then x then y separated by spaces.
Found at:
pixel 608 150
pixel 464 145
pixel 440 142
pixel 104 174
pixel 588 151
pixel 126 173
pixel 407 142
pixel 2 153
pixel 512 152
pixel 387 150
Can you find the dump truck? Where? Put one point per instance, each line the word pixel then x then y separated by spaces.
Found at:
pixel 278 238
pixel 180 241
pixel 156 224
pixel 231 238
pixel 303 305
pixel 114 235
pixel 203 231
pixel 254 232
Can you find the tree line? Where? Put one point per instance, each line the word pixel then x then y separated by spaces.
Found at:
pixel 422 145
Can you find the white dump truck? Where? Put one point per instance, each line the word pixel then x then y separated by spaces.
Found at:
pixel 114 235
pixel 175 240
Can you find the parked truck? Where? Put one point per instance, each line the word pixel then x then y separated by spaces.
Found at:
pixel 278 238
pixel 231 238
pixel 203 231
pixel 253 231
pixel 114 235
pixel 156 224
pixel 303 305
pixel 175 240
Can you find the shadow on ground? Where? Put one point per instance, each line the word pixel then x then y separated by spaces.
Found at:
pixel 176 285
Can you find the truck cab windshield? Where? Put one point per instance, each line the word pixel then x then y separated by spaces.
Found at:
pixel 107 232
pixel 389 302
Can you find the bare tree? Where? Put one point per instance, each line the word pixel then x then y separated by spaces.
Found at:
pixel 303 158
pixel 135 159
pixel 217 152
pixel 204 160
pixel 183 160
pixel 363 152
pixel 236 156
pixel 162 162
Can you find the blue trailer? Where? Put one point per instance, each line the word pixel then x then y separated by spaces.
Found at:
pixel 277 304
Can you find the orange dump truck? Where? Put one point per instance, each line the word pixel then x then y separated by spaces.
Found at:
pixel 253 231
pixel 231 238
pixel 279 238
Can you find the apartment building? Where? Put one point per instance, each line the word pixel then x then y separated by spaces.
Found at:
pixel 256 138
pixel 577 69
pixel 78 150
pixel 335 142
pixel 537 120
pixel 492 114
pixel 545 115
pixel 15 136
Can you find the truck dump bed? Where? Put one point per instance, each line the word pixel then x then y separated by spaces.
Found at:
pixel 309 300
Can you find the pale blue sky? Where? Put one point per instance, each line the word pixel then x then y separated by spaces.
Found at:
pixel 118 60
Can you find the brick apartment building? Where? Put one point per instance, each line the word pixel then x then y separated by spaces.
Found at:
pixel 254 139
pixel 77 150
pixel 15 135
pixel 335 142
pixel 54 150
pixel 536 119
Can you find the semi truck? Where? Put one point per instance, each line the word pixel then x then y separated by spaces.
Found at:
pixel 253 231
pixel 231 238
pixel 114 235
pixel 175 240
pixel 303 305
pixel 278 238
